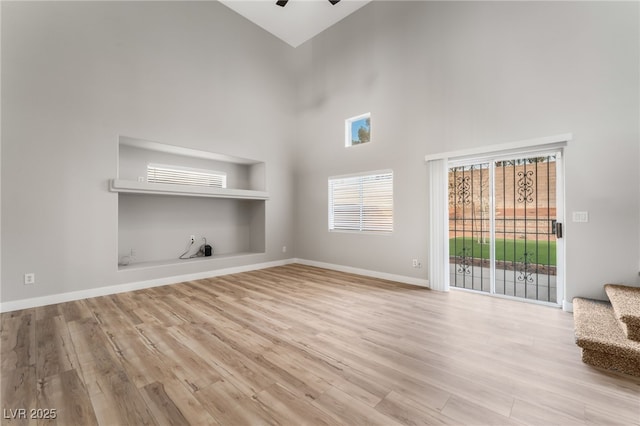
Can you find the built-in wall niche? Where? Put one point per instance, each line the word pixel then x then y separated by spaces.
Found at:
pixel 157 227
pixel 156 220
pixel 134 156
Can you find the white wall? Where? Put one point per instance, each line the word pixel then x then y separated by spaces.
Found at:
pixel 435 76
pixel 76 75
pixel 443 76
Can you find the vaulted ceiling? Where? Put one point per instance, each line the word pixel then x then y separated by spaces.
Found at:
pixel 299 20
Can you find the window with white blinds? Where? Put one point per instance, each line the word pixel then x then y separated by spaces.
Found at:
pixel 159 173
pixel 361 203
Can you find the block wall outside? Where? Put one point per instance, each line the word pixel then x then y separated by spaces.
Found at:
pixel 525 201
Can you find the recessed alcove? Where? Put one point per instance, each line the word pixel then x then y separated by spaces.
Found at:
pixel 156 220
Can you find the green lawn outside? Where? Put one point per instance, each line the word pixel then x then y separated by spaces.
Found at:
pixel 541 253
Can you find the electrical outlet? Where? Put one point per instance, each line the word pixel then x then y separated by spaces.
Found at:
pixel 29 278
pixel 415 263
pixel 193 239
pixel 284 249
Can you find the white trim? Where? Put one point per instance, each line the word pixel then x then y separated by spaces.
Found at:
pixel 363 174
pixel 347 129
pixel 567 306
pixel 507 297
pixel 140 285
pixel 421 282
pixel 546 151
pixel 359 117
pixel 561 217
pixel 492 228
pixel 158 282
pixel 134 187
pixel 538 144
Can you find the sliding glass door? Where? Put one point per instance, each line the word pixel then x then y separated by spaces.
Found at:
pixel 504 227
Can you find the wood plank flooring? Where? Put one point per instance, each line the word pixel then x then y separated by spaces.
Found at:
pixel 298 345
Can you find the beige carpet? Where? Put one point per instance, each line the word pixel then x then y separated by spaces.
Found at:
pixel 626 306
pixel 604 343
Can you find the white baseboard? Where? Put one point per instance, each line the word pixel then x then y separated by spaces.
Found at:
pixel 567 306
pixel 140 285
pixel 366 272
pixel 121 288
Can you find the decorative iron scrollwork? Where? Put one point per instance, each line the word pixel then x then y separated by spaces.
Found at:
pixel 463 190
pixel 464 267
pixel 525 187
pixel 528 269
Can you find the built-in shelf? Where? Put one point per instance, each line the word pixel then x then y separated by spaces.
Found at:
pixel 156 219
pixel 173 262
pixel 134 187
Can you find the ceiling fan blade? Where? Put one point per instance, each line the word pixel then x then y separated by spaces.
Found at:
pixel 283 3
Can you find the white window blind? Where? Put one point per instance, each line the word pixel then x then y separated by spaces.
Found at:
pixel 159 173
pixel 361 203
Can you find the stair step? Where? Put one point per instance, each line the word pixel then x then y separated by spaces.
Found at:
pixel 626 306
pixel 603 342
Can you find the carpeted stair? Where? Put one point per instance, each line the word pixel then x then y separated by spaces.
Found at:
pixel 609 333
pixel 626 305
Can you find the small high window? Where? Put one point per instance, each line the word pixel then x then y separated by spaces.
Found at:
pixel 358 130
pixel 160 173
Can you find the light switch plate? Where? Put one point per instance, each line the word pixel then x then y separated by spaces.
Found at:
pixel 581 216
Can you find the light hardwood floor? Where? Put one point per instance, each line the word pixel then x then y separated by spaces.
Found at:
pixel 300 345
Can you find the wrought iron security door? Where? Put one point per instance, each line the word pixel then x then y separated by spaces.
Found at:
pixel 503 227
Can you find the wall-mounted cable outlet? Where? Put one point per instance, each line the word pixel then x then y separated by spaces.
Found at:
pixel 416 263
pixel 192 239
pixel 29 278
